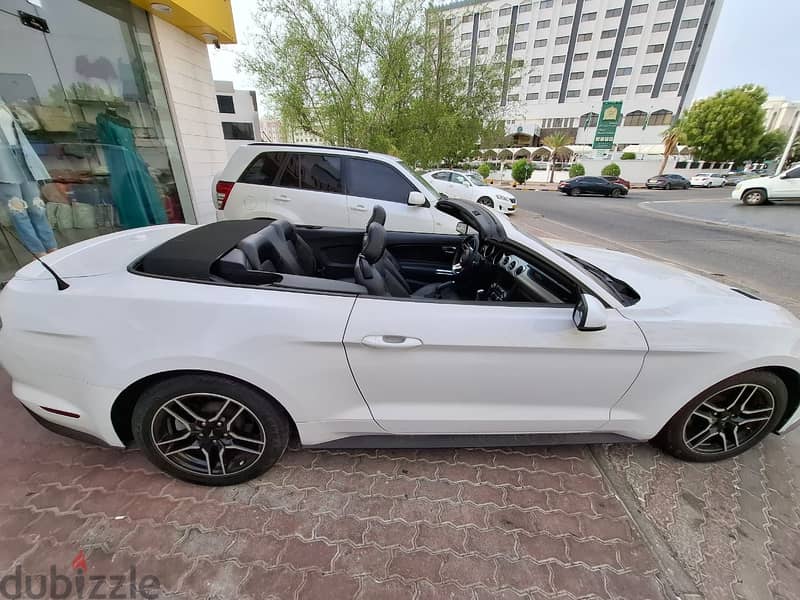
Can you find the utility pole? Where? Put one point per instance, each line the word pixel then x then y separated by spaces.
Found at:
pixel 788 148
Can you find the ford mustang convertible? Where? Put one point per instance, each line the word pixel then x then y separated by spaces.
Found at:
pixel 211 347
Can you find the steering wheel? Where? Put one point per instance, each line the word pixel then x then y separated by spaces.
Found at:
pixel 467 255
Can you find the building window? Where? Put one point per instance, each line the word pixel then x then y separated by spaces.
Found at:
pixel 580 56
pixel 544 24
pixel 560 59
pixel 588 120
pixel 546 4
pixel 619 91
pixel 539 43
pixel 689 23
pixel 586 17
pixel 623 71
pixel 514 81
pixel 520 45
pixel 483 33
pixel 638 9
pixel 523 27
pixel 655 48
pixel 237 131
pixel 573 93
pixel 557 122
pixel 644 89
pixel 551 95
pixel 613 12
pixel 501 49
pixel 635 118
pixel 503 31
pixel 561 40
pixel 483 50
pixel 225 104
pixel 466 36
pixel 566 2
pixel 670 87
pixel 695 2
pixel 604 54
pixel 537 62
pixel 512 97
pixel 523 8
pixel 532 96
pixel 679 66
pixel 608 33
pixel 584 37
pixel 486 15
pixel 596 92
pixel 555 77
pixel 465 52
pixel 666 4
pixel 660 117
pixel 517 63
pixel 466 19
pixel 535 79
pixel 565 20
pixel 504 12
pixel 629 51
pixel 449 21
pixel 660 27
pixel 649 69
pixel 683 45
pixel 634 30
pixel 576 75
pixel 600 73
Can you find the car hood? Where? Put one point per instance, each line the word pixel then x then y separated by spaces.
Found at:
pixel 669 291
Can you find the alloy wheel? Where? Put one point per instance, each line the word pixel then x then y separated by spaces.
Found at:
pixel 208 434
pixel 729 419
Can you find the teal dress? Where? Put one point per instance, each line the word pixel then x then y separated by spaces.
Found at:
pixel 132 189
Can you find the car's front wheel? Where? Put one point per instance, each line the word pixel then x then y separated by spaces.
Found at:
pixel 726 419
pixel 208 429
pixel 486 201
pixel 615 193
pixel 754 197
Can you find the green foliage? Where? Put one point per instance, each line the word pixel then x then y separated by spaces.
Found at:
pixel 375 75
pixel 770 146
pixel 557 142
pixel 672 137
pixel 726 126
pixel 611 170
pixel 576 170
pixel 628 156
pixel 484 170
pixel 521 170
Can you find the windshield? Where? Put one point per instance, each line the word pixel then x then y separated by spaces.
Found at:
pixel 476 180
pixel 424 184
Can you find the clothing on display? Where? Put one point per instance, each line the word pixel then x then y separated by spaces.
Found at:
pixel 132 188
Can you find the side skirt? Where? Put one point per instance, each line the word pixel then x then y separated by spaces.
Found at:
pixel 474 441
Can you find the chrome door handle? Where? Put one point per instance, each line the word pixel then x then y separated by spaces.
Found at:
pixel 391 341
pixel 283 198
pixel 359 208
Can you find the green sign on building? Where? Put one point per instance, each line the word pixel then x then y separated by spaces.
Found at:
pixel 607 125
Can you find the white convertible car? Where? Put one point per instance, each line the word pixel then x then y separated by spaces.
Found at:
pixel 211 346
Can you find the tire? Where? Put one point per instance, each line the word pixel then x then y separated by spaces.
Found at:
pixel 615 193
pixel 708 185
pixel 486 201
pixel 686 435
pixel 575 192
pixel 668 186
pixel 754 197
pixel 254 430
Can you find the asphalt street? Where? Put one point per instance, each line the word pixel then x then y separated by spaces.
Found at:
pixel 762 261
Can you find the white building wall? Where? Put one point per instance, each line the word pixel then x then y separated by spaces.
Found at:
pixel 245 112
pixel 780 113
pixel 190 89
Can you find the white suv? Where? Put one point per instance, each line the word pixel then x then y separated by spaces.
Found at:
pixel 760 190
pixel 324 185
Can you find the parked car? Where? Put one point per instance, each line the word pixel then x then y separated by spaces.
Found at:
pixel 735 177
pixel 707 180
pixel 325 185
pixel 471 186
pixel 775 188
pixel 668 181
pixel 619 180
pixel 207 346
pixel 591 185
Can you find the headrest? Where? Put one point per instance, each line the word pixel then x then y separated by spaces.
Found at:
pixel 378 215
pixel 374 243
pixel 286 228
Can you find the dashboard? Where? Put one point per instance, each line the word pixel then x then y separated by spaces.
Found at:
pixel 531 279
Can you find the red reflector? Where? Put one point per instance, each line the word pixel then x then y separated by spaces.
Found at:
pixel 63 413
pixel 223 190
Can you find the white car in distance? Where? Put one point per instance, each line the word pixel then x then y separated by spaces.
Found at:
pixel 708 180
pixel 469 186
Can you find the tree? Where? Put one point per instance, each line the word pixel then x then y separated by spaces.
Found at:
pixel 611 170
pixel 557 142
pixel 727 126
pixel 521 170
pixel 375 75
pixel 576 170
pixel 770 146
pixel 484 170
pixel 671 138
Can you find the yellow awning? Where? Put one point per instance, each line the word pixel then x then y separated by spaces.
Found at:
pixel 196 17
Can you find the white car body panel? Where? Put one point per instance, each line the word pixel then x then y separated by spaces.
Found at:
pixel 503 201
pixel 785 186
pixel 707 180
pixel 522 368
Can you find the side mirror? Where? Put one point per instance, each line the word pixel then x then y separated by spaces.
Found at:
pixel 589 314
pixel 416 199
pixel 461 227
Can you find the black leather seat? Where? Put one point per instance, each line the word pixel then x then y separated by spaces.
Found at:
pixel 278 248
pixel 375 271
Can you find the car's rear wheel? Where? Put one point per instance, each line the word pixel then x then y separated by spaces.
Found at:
pixel 209 430
pixel 615 193
pixel 668 186
pixel 486 201
pixel 575 192
pixel 754 197
pixel 726 419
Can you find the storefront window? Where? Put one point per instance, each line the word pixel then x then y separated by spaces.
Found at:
pixel 87 145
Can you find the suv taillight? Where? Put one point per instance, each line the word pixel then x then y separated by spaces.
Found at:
pixel 223 190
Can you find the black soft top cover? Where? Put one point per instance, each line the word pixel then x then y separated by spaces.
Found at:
pixel 191 254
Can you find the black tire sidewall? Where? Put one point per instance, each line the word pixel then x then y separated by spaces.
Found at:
pixel 616 193
pixel 272 417
pixel 670 438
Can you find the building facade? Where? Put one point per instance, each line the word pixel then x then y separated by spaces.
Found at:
pixel 780 113
pixel 238 111
pixel 108 119
pixel 564 58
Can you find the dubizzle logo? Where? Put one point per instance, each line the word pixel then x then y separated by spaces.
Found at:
pixel 79 584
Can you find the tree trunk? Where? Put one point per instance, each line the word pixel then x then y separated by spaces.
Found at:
pixel 552 171
pixel 663 164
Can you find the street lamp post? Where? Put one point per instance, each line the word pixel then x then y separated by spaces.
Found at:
pixel 789 143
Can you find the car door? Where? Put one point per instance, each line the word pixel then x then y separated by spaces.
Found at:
pixel 254 193
pixel 321 199
pixel 437 367
pixel 370 182
pixel 440 180
pixel 787 186
pixel 460 186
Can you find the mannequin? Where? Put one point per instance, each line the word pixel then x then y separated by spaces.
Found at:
pixel 21 172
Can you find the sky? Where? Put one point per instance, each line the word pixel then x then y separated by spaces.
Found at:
pixel 756 41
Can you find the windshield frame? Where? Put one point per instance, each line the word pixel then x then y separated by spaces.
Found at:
pixel 475 180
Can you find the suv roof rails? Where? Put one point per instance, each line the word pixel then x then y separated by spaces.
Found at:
pixel 362 151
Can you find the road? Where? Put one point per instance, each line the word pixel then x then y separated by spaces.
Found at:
pixel 766 263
